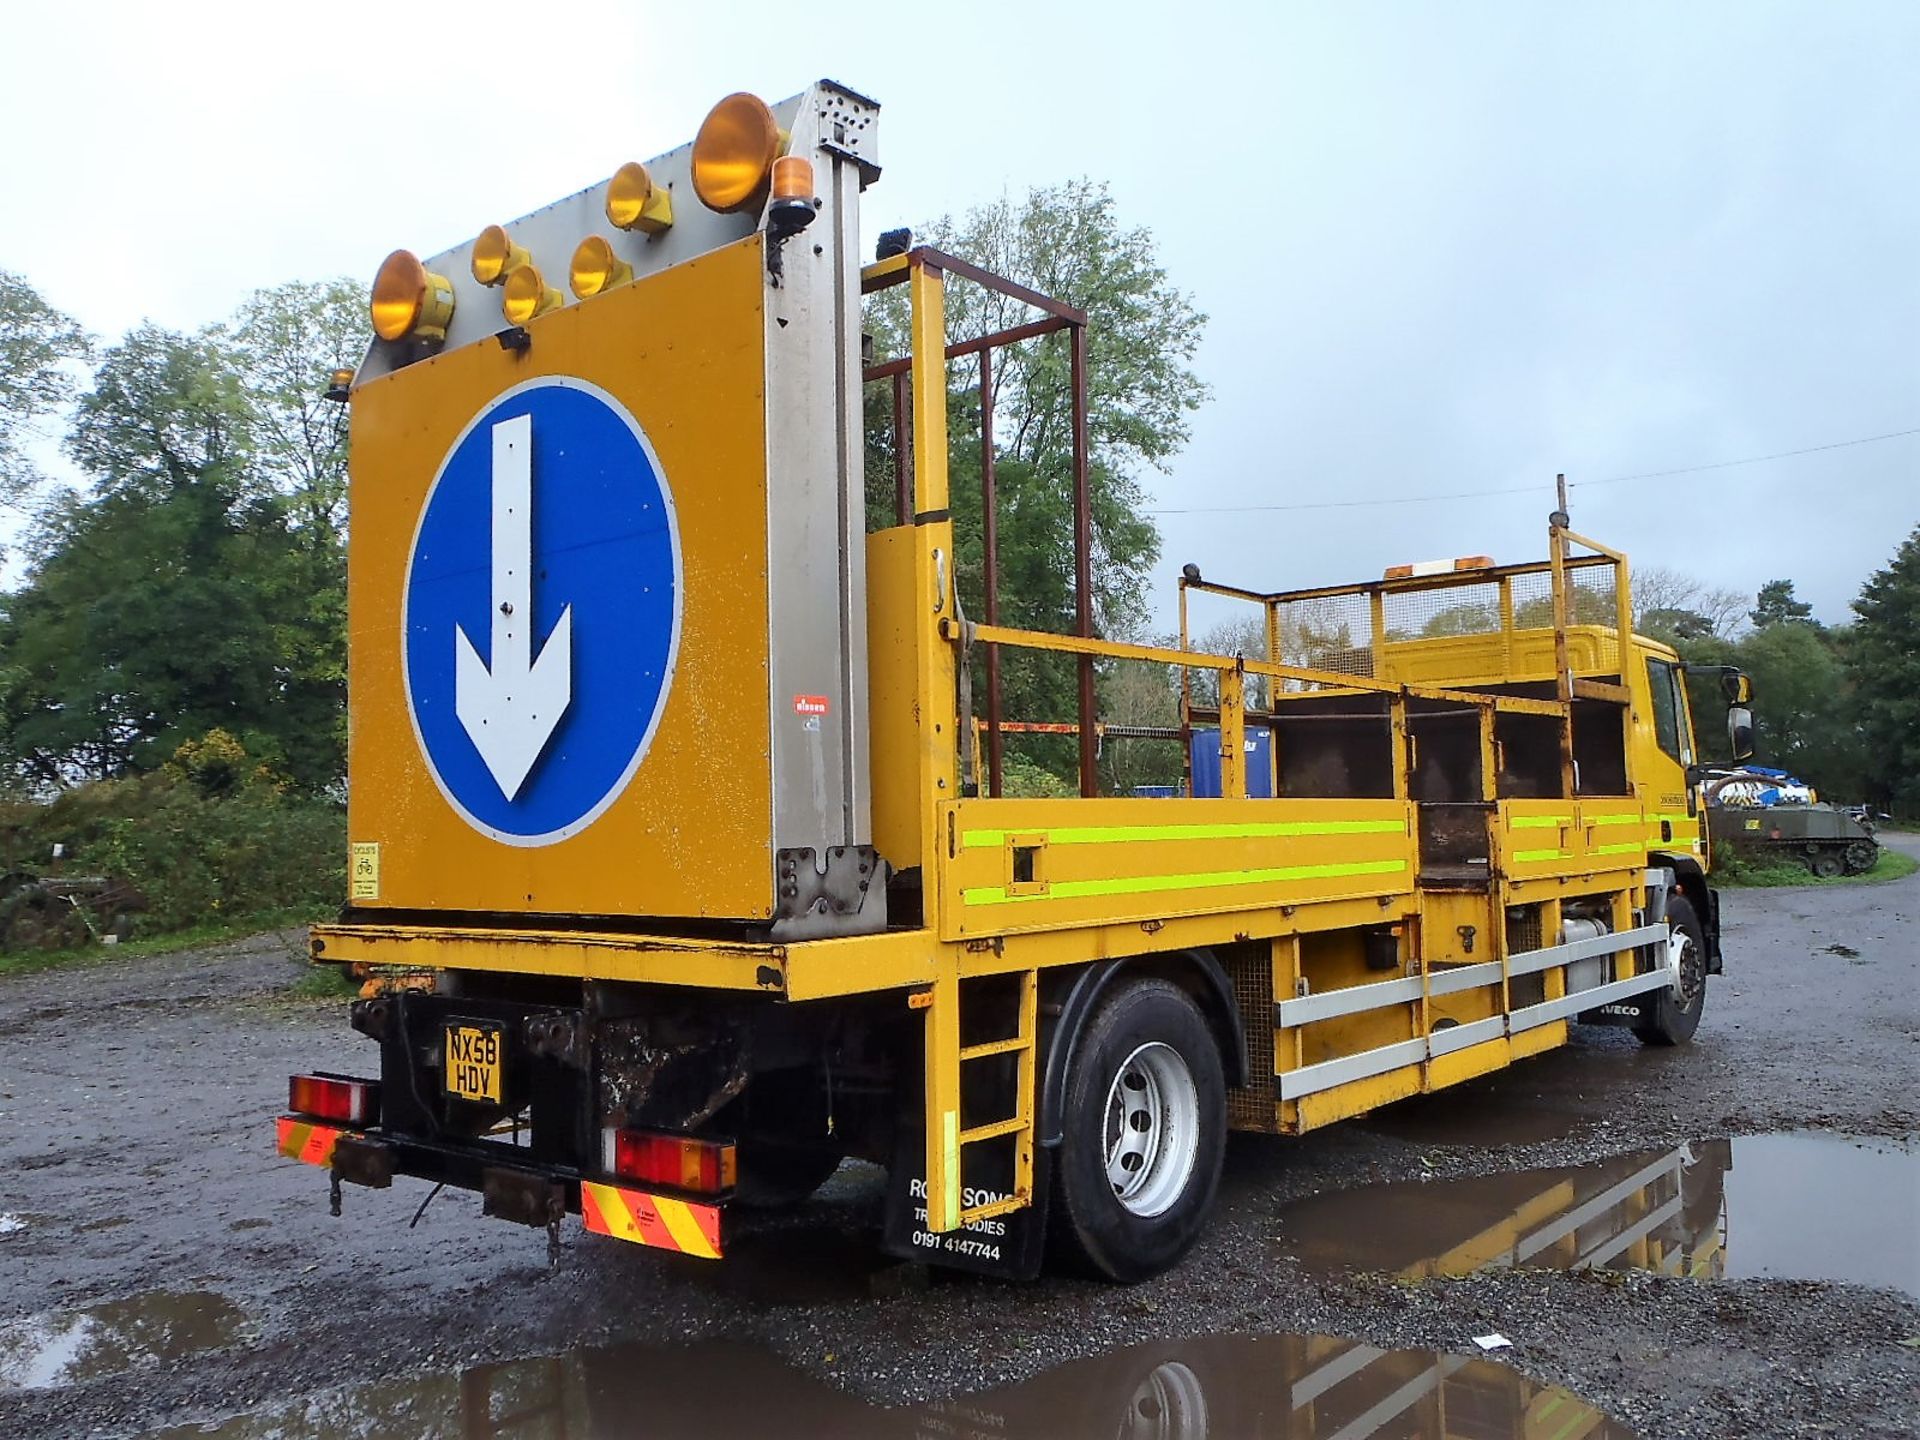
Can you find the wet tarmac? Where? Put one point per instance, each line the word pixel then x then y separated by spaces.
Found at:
pixel 1800 1206
pixel 1220 1387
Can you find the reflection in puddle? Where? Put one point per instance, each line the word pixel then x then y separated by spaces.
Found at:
pixel 1442 1120
pixel 66 1347
pixel 1290 1387
pixel 1803 1206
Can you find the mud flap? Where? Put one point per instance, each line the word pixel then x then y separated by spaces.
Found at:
pixel 1009 1247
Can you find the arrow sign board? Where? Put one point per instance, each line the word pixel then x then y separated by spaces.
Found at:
pixel 542 611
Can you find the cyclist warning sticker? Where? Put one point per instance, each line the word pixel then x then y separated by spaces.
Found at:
pixel 365 870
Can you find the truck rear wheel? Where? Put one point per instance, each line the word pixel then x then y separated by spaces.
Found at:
pixel 1675 1013
pixel 1144 1134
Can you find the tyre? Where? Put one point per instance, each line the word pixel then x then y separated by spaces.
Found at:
pixel 775 1177
pixel 1676 1014
pixel 1143 1134
pixel 1828 864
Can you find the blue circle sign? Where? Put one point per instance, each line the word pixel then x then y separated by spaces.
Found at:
pixel 542 611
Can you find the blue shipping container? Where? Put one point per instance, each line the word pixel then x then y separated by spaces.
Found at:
pixel 1206 763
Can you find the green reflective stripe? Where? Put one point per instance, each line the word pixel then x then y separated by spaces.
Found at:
pixel 1679 819
pixel 1633 819
pixel 1154 884
pixel 1115 834
pixel 1625 849
pixel 1526 856
pixel 1538 822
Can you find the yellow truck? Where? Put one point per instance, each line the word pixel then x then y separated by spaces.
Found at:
pixel 676 878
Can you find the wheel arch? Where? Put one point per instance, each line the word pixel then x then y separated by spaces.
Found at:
pixel 1690 879
pixel 1198 972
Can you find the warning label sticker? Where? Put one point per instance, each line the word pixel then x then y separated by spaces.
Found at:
pixel 809 704
pixel 365 869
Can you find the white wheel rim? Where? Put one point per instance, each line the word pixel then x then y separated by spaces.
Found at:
pixel 1168 1405
pixel 1679 961
pixel 1152 1129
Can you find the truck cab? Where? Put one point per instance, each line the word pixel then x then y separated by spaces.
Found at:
pixel 1658 757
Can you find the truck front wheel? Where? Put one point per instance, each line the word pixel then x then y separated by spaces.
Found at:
pixel 1675 1011
pixel 1143 1135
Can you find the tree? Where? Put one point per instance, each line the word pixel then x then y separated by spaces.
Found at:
pixel 1669 605
pixel 282 344
pixel 1775 605
pixel 1140 693
pixel 164 414
pixel 37 343
pixel 174 598
pixel 1883 657
pixel 1804 719
pixel 1068 242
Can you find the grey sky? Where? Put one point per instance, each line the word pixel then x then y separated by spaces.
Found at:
pixel 1446 247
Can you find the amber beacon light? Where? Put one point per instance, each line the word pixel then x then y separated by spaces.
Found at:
pixel 409 300
pixel 595 268
pixel 792 207
pixel 527 294
pixel 635 203
pixel 733 153
pixel 495 256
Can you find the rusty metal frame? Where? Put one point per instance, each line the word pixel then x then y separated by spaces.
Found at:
pixel 1058 316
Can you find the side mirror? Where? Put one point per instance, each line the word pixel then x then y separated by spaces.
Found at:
pixel 1737 686
pixel 1740 731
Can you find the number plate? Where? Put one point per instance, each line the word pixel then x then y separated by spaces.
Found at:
pixel 476 1054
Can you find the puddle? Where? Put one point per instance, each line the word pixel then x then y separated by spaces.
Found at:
pixel 1212 1388
pixel 68 1346
pixel 1803 1206
pixel 1442 1120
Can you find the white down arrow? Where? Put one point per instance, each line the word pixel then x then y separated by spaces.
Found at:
pixel 510 711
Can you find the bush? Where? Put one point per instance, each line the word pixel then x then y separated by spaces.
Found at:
pixel 1027 780
pixel 1730 867
pixel 210 838
pixel 198 859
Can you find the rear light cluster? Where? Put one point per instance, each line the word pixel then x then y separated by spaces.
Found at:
pixel 706 1166
pixel 335 1097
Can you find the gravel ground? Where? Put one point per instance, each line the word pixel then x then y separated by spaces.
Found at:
pixel 136 1100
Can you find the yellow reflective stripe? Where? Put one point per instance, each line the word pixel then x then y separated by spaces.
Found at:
pixel 1625 849
pixel 1252 830
pixel 1538 822
pixel 1527 856
pixel 685 1230
pixel 1153 884
pixel 950 1147
pixel 1633 818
